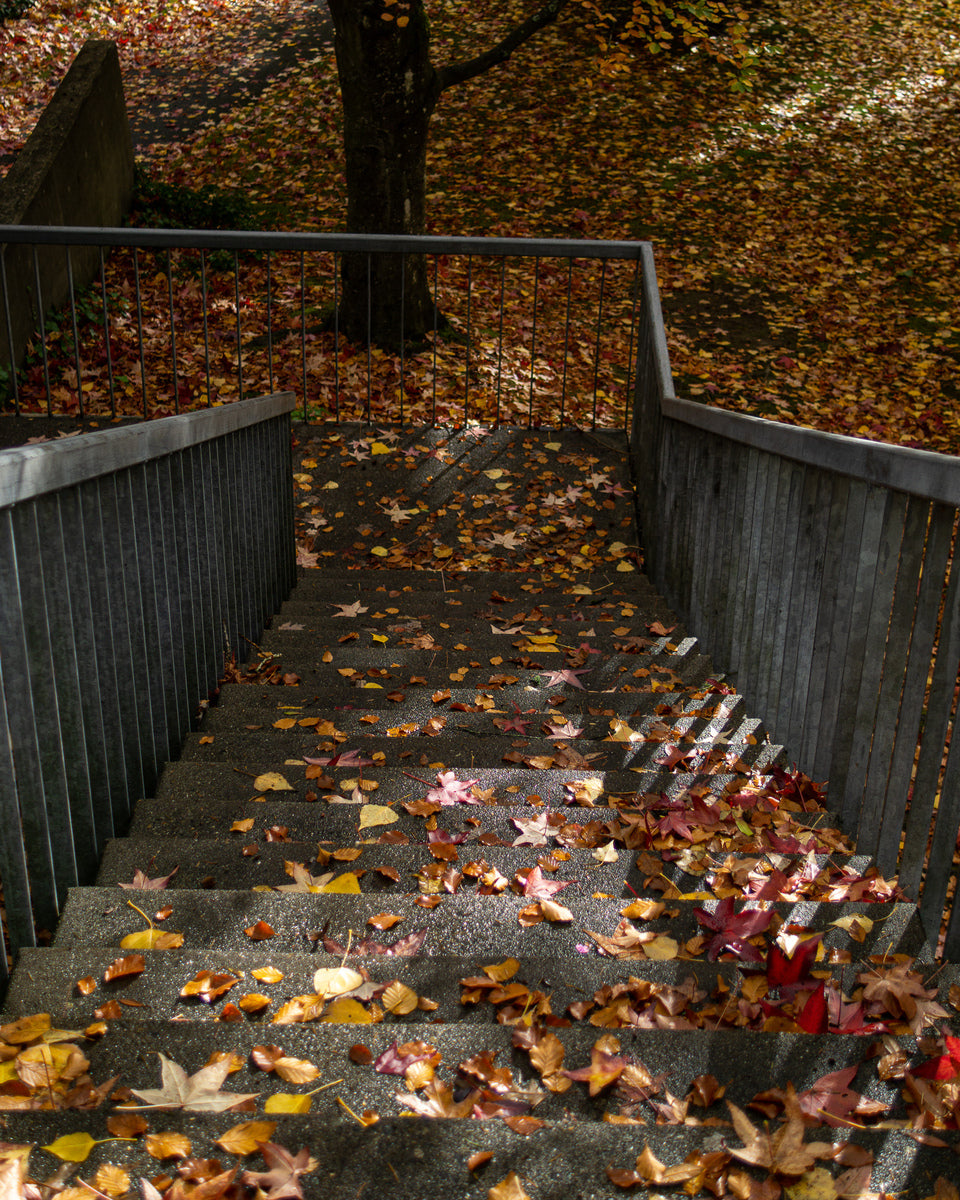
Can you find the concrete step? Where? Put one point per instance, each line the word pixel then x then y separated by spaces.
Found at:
pixel 460 924
pixel 564 1160
pixel 248 861
pixel 696 721
pixel 260 749
pixel 692 993
pixel 741 1062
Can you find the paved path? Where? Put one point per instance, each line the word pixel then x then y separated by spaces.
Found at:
pixel 172 101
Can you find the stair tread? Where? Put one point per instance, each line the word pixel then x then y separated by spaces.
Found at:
pixel 459 924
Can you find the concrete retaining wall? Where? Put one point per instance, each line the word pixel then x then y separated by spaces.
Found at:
pixel 75 169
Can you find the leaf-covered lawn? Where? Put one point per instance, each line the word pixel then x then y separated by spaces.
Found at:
pixel 806 233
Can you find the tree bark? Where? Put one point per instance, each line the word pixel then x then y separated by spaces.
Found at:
pixel 389 89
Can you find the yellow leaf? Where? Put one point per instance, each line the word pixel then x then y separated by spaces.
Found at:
pixel 296 1070
pixel 72 1147
pixel 335 981
pixel 167 1145
pixel 243 826
pixel 379 448
pixel 661 948
pixel 379 551
pixel 253 1002
pixel 816 1184
pixel 284 723
pixel 623 565
pixel 271 781
pixel 344 885
pixel 502 971
pixel 496 473
pixel 242 1139
pixel 111 1180
pixel 347 1011
pixel 511 1188
pixel 399 999
pixel 27 1029
pixel 376 814
pixel 607 853
pixel 152 939
pixel 267 974
pixel 281 1102
pixel 857 926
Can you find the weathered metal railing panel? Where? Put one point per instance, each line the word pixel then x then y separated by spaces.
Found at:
pixel 131 562
pixel 819 571
pixel 526 331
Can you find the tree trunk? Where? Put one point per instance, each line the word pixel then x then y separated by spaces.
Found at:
pixel 389 90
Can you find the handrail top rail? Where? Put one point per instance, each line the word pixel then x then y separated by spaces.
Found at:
pixel 29 471
pixel 924 473
pixel 207 239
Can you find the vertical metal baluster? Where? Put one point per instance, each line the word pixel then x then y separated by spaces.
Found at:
pixel 76 332
pixel 336 341
pixel 29 821
pixel 403 297
pixel 43 332
pixel 436 325
pixel 6 308
pixel 466 372
pixel 106 331
pixel 566 342
pixel 14 871
pixel 206 323
pixel 143 361
pixel 173 336
pixel 270 320
pixel 503 300
pixel 627 408
pixel 369 332
pixel 533 336
pixel 303 338
pixel 596 364
pixel 236 297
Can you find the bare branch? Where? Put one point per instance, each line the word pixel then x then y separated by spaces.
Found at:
pixel 456 73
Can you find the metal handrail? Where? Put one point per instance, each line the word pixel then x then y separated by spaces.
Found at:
pixel 132 562
pixel 246 321
pixel 818 571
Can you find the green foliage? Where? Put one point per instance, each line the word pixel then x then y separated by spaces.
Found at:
pixel 10 10
pixel 159 205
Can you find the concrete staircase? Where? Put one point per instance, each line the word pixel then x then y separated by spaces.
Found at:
pixel 444 751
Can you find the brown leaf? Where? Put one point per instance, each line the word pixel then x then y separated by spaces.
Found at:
pixel 132 964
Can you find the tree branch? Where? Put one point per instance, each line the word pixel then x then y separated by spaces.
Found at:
pixel 455 73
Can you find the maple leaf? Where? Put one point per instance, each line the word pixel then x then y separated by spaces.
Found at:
pixel 540 888
pixel 533 830
pixel 782 1152
pixel 438 1101
pixel 199 1092
pixel 944 1066
pixel 344 758
pixel 832 1100
pixel 733 928
pixel 306 558
pixel 142 883
pixel 603 1070
pixel 566 730
pixel 554 678
pixel 350 610
pixel 509 540
pixel 282 1180
pixel 450 790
